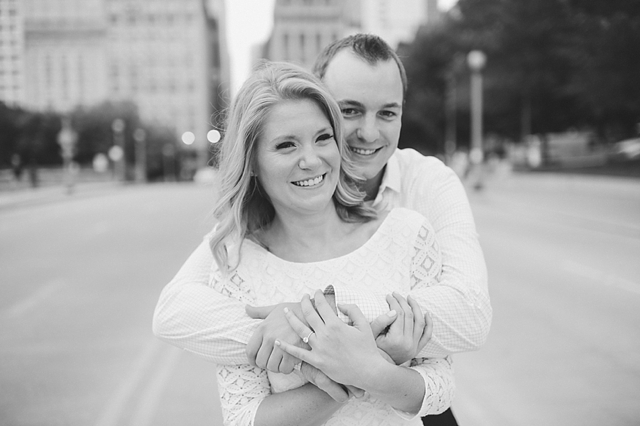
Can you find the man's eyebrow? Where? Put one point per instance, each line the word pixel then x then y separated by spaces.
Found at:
pixel 392 105
pixel 350 102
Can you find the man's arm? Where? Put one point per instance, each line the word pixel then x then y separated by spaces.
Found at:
pixel 459 302
pixel 195 317
pixel 460 322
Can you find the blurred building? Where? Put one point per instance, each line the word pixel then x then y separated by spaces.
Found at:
pixel 11 52
pixel 168 57
pixel 397 21
pixel 65 55
pixel 302 28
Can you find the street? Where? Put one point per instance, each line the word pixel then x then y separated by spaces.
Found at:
pixel 80 277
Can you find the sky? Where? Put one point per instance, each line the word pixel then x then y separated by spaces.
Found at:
pixel 249 22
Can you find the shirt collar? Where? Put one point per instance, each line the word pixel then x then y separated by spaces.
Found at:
pixel 392 177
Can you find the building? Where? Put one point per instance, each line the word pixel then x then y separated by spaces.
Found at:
pixel 166 56
pixel 64 54
pixel 397 21
pixel 302 28
pixel 11 52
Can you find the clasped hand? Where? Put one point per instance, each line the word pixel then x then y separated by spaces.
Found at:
pixel 399 335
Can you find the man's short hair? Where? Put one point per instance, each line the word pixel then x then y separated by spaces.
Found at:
pixel 369 47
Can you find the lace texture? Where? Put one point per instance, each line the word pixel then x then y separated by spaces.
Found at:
pixel 402 254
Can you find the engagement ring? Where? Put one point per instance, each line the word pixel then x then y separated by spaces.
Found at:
pixel 306 339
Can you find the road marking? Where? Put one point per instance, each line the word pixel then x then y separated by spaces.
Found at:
pixel 147 407
pixel 112 413
pixel 601 277
pixel 31 302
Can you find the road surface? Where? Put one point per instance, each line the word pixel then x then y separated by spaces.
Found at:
pixel 80 277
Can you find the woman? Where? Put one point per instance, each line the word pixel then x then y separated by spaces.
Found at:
pixel 290 221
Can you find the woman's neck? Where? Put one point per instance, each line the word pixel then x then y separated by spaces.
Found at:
pixel 306 238
pixel 315 238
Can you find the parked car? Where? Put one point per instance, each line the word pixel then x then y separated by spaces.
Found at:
pixel 626 150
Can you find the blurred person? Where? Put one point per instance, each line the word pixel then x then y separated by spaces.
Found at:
pixel 16 168
pixel 289 208
pixel 368 80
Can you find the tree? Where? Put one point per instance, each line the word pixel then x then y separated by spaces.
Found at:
pixel 553 65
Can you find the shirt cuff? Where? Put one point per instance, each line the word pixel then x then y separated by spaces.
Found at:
pixel 425 408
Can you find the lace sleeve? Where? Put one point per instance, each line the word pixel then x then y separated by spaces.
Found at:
pixel 426 263
pixel 242 388
pixel 439 383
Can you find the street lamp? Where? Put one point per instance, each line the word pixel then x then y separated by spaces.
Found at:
pixel 213 136
pixel 140 136
pixel 476 60
pixel 188 138
pixel 116 153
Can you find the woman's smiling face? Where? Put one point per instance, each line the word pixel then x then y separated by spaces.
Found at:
pixel 297 157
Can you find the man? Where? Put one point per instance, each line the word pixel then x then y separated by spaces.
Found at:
pixel 368 80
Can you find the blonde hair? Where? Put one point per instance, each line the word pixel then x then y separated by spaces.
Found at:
pixel 243 206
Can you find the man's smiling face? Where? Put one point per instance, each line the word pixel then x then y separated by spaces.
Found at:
pixel 370 97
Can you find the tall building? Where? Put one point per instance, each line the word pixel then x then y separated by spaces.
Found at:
pixel 397 21
pixel 157 57
pixel 11 52
pixel 166 56
pixel 302 28
pixel 64 54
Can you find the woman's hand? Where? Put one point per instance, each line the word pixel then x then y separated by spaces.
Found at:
pixel 347 355
pixel 410 331
pixel 260 348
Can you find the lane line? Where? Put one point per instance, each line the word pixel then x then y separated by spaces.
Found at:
pixel 42 294
pixel 600 277
pixel 147 407
pixel 113 411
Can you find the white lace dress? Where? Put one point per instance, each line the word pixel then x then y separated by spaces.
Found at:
pixel 401 255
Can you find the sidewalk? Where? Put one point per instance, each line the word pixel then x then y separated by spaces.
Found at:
pixel 27 196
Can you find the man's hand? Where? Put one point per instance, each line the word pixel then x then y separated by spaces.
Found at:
pixel 410 331
pixel 260 349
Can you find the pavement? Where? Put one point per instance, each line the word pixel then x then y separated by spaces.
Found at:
pixel 11 196
pixel 26 196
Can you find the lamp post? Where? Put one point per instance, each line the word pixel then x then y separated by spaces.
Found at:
pixel 451 101
pixel 116 153
pixel 476 60
pixel 140 136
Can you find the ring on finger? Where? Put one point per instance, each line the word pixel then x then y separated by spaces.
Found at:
pixel 306 339
pixel 297 366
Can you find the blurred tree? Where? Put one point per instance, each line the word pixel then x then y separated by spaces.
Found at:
pixel 158 138
pixel 553 65
pixel 607 56
pixel 37 142
pixel 9 132
pixel 427 62
pixel 95 134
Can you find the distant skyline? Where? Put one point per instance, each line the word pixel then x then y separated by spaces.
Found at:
pixel 249 22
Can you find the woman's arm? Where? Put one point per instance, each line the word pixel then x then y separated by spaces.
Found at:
pixel 359 363
pixel 246 399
